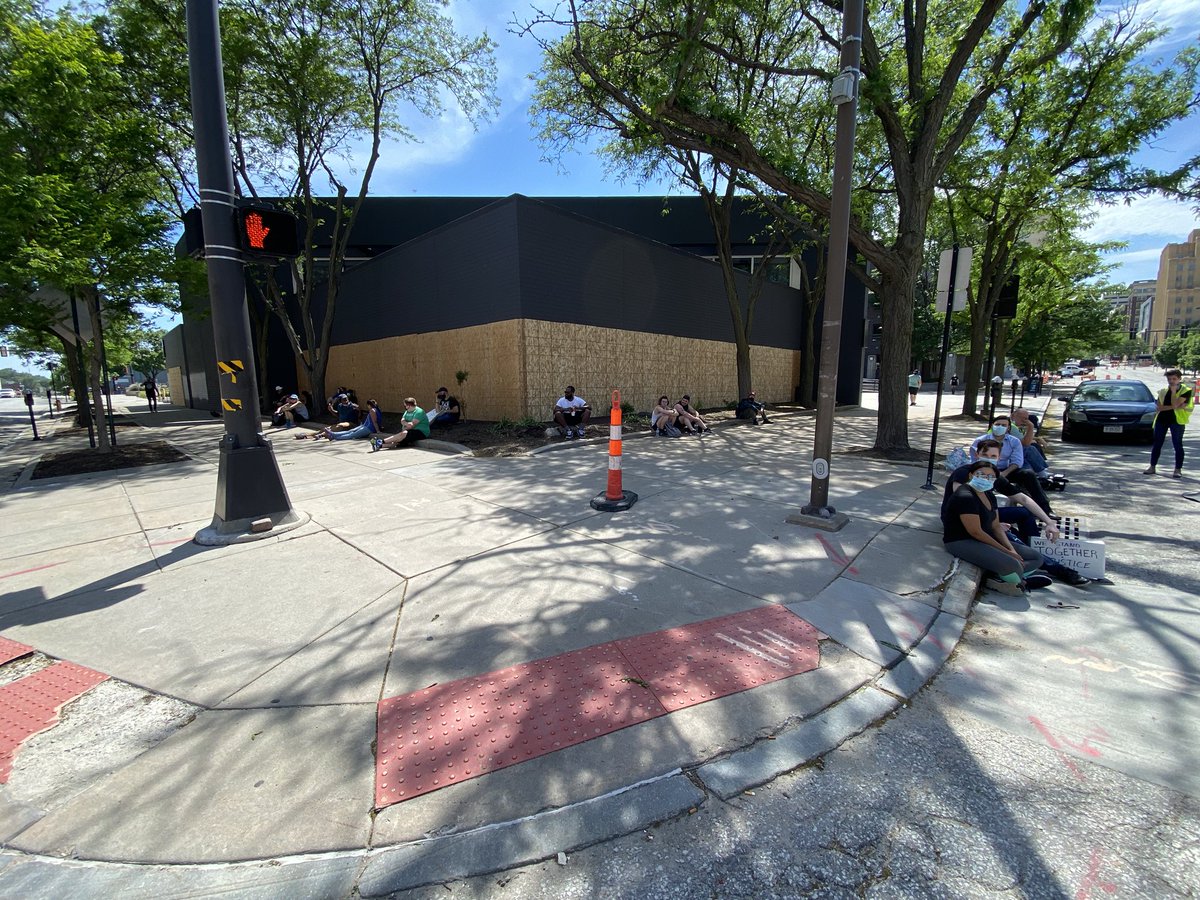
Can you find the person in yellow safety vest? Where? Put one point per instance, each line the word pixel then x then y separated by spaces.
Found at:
pixel 1174 409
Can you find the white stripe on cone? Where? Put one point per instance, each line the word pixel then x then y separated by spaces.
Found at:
pixel 614 462
pixel 614 432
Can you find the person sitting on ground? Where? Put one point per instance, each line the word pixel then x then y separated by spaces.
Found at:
pixel 446 410
pixel 346 412
pixel 413 428
pixel 372 424
pixel 1021 513
pixel 749 408
pixel 1025 428
pixel 293 411
pixel 972 532
pixel 1012 460
pixel 571 414
pixel 281 398
pixel 664 419
pixel 690 416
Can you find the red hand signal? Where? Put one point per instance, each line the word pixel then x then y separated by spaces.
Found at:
pixel 255 230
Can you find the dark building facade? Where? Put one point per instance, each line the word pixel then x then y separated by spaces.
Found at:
pixel 527 295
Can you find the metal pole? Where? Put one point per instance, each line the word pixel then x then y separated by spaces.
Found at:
pixel 988 393
pixel 110 384
pixel 937 404
pixel 250 488
pixel 835 281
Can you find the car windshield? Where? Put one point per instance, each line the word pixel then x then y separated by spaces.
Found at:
pixel 1127 392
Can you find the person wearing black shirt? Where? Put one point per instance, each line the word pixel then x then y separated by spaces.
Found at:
pixel 973 532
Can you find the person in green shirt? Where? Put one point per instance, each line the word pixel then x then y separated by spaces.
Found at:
pixel 914 386
pixel 414 428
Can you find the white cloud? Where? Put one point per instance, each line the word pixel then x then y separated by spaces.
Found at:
pixel 1142 218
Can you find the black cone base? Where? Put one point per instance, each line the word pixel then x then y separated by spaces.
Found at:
pixel 602 503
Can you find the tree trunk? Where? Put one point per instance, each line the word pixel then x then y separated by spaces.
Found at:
pixel 92 296
pixel 891 435
pixel 974 365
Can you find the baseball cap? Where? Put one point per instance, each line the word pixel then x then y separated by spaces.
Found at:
pixel 293 397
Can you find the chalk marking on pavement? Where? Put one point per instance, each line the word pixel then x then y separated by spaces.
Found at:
pixel 34 569
pixel 836 554
pixel 1092 878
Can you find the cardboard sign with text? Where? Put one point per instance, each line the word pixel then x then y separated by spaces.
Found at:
pixel 1084 556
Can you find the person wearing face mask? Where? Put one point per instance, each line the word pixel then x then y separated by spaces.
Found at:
pixel 1012 460
pixel 972 532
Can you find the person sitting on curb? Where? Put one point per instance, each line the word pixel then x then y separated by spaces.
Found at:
pixel 690 416
pixel 413 428
pixel 293 411
pixel 749 408
pixel 972 532
pixel 571 414
pixel 1022 513
pixel 1012 460
pixel 1025 427
pixel 372 424
pixel 663 419
pixel 446 410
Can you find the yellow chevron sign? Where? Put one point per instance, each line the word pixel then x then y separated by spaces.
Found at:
pixel 231 405
pixel 231 368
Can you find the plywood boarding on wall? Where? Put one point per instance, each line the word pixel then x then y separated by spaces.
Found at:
pixel 519 367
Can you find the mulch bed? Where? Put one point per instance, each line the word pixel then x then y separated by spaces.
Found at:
pixel 123 456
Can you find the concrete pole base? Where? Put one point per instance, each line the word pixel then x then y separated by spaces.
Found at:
pixel 241 531
pixel 602 503
pixel 825 518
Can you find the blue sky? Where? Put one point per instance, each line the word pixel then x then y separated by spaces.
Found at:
pixel 504 155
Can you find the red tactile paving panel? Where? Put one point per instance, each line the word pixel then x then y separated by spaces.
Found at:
pixel 10 650
pixel 706 660
pixel 31 705
pixel 453 732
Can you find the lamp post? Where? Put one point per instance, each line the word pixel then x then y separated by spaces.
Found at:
pixel 818 513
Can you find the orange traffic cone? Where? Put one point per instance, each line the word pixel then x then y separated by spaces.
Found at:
pixel 613 499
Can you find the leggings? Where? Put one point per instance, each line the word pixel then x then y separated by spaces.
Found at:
pixel 1160 437
pixel 990 559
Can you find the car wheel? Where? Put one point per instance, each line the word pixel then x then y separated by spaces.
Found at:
pixel 1068 435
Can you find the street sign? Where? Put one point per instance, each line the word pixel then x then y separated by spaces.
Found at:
pixel 962 278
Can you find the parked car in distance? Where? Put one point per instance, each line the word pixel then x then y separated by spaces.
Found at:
pixel 1122 410
pixel 1070 370
pixel 9 392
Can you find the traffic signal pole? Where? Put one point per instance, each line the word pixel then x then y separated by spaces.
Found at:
pixel 251 498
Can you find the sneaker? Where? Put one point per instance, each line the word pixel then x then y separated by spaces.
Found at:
pixel 579 431
pixel 1003 587
pixel 1037 581
pixel 570 434
pixel 1151 471
pixel 1178 473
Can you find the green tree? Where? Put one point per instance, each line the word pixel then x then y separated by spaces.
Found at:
pixel 148 356
pixel 81 213
pixel 1170 352
pixel 310 83
pixel 930 71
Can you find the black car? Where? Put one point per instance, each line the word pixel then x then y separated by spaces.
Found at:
pixel 1113 408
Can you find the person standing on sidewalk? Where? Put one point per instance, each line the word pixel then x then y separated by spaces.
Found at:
pixel 914 385
pixel 151 394
pixel 1174 409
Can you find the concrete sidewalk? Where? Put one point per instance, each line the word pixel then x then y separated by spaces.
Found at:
pixel 233 746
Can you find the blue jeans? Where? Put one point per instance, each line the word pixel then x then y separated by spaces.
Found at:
pixel 360 431
pixel 1035 459
pixel 1160 437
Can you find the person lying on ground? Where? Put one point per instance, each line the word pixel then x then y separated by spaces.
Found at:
pixel 690 416
pixel 571 414
pixel 749 408
pixel 972 532
pixel 414 427
pixel 1023 514
pixel 372 424
pixel 446 410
